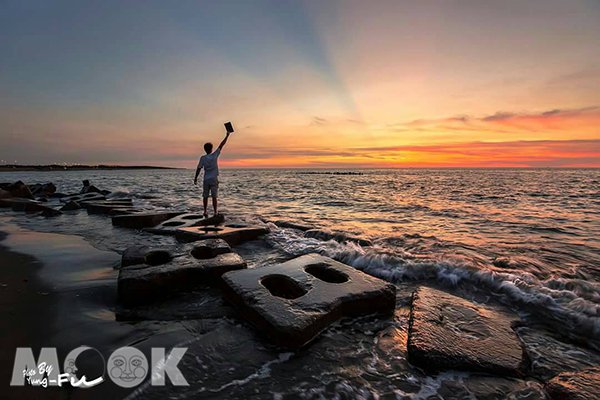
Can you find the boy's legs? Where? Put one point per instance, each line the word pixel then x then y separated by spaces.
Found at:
pixel 205 201
pixel 205 194
pixel 214 191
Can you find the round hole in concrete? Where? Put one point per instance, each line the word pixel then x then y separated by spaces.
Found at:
pixel 158 257
pixel 210 229
pixel 203 252
pixel 326 273
pixel 193 216
pixel 283 286
pixel 173 223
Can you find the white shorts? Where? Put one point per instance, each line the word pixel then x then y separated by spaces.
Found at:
pixel 210 188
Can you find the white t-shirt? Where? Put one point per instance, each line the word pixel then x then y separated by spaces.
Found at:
pixel 210 165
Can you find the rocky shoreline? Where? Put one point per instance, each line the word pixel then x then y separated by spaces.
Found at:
pixel 292 304
pixel 74 167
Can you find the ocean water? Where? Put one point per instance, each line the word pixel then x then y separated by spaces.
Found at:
pixel 529 238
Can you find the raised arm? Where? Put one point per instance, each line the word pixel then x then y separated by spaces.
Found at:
pixel 224 141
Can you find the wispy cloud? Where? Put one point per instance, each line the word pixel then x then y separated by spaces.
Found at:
pixel 555 119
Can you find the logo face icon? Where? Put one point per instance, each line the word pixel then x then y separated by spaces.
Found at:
pixel 127 367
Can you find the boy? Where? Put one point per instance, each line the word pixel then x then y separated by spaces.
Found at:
pixel 209 162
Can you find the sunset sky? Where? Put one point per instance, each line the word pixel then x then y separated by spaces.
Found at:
pixel 307 84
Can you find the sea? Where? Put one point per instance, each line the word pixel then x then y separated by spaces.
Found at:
pixel 528 239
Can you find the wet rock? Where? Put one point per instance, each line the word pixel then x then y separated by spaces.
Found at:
pixel 134 255
pixel 210 248
pixel 50 212
pixel 291 303
pixel 489 388
pixel 202 303
pixel 29 206
pixel 143 283
pixel 144 220
pixel 337 236
pixel 550 356
pixel 4 194
pixel 71 206
pixel 170 226
pixel 82 197
pixel 45 189
pixel 578 385
pixel 157 257
pixel 449 332
pixel 18 189
pixel 293 225
pixel 233 233
pixel 88 188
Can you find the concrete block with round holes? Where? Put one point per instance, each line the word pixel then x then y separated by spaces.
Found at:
pixel 152 274
pixel 171 225
pixel 291 303
pixel 232 233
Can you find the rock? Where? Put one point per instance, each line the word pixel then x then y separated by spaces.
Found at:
pixel 134 255
pixel 489 388
pixel 87 188
pixel 202 303
pixel 4 194
pixel 82 197
pixel 579 385
pixel 26 205
pixel 157 257
pixel 550 356
pixel 210 248
pixel 337 236
pixel 107 206
pixel 293 225
pixel 291 303
pixel 144 220
pixel 233 233
pixel 449 332
pixel 50 212
pixel 70 206
pixel 143 283
pixel 45 189
pixel 18 189
pixel 170 226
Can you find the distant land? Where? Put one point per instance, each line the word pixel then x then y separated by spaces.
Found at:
pixel 73 167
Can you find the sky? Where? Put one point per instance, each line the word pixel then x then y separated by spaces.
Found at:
pixel 310 84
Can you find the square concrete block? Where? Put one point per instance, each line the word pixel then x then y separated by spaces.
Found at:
pixel 144 219
pixel 232 233
pixel 161 274
pixel 170 226
pixel 106 206
pixel 449 332
pixel 83 197
pixel 291 303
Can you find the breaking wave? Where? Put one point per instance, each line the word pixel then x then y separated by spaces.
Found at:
pixel 575 302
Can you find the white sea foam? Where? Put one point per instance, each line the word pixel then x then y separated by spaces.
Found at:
pixel 570 301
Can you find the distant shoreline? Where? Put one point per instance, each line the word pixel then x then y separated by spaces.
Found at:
pixel 57 167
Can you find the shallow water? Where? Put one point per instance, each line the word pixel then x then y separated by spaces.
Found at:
pixel 527 238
